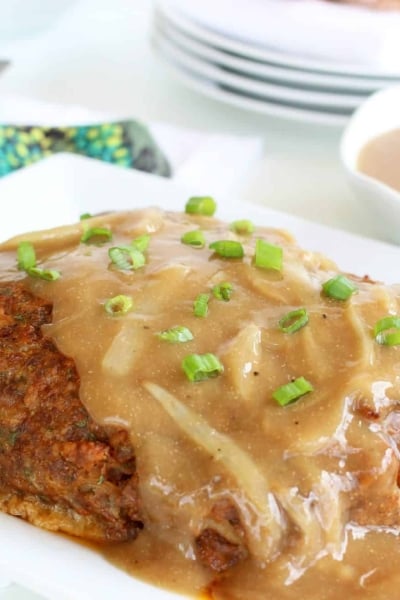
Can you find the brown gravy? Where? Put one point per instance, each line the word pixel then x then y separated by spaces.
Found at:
pixel 380 158
pixel 315 482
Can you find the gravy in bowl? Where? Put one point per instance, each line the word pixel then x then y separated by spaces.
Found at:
pixel 380 158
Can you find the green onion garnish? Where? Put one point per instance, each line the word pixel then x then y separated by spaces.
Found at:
pixel 268 256
pixel 198 367
pixel 26 256
pixel 293 320
pixel 141 243
pixel 194 238
pixel 126 258
pixel 200 305
pixel 174 335
pixel 201 205
pixel 85 216
pixel 286 394
pixel 96 235
pixel 46 274
pixel 387 331
pixel 119 305
pixel 339 288
pixel 27 262
pixel 223 291
pixel 242 227
pixel 227 249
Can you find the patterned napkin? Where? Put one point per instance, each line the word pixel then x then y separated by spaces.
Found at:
pixel 124 143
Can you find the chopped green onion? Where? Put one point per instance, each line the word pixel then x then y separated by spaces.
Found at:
pixel 85 216
pixel 119 305
pixel 387 331
pixel 174 335
pixel 27 262
pixel 198 367
pixel 227 249
pixel 223 291
pixel 339 288
pixel 200 305
pixel 201 205
pixel 242 227
pixel 141 243
pixel 130 258
pixel 194 238
pixel 26 256
pixel 96 235
pixel 268 256
pixel 46 274
pixel 126 258
pixel 293 320
pixel 286 394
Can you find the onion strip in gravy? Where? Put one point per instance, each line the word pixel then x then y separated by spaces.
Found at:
pixel 239 464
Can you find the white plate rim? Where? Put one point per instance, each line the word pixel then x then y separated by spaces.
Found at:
pixel 268 55
pixel 210 89
pixel 272 72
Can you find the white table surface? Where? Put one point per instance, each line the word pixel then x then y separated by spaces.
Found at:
pixel 98 55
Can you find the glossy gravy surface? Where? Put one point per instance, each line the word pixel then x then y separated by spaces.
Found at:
pixel 314 483
pixel 380 158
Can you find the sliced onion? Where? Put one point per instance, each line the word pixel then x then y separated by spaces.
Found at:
pixel 265 543
pixel 120 356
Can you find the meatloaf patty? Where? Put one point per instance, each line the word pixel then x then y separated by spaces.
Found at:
pixel 58 468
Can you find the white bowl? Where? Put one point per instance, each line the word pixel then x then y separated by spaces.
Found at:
pixel 379 114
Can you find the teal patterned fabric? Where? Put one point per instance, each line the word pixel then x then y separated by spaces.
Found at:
pixel 124 143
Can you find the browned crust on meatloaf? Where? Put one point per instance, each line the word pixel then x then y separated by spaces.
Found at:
pixel 216 552
pixel 58 468
pixel 222 544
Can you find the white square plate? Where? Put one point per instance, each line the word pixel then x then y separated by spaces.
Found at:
pixel 57 191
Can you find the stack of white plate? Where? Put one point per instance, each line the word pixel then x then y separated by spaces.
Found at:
pixel 308 77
